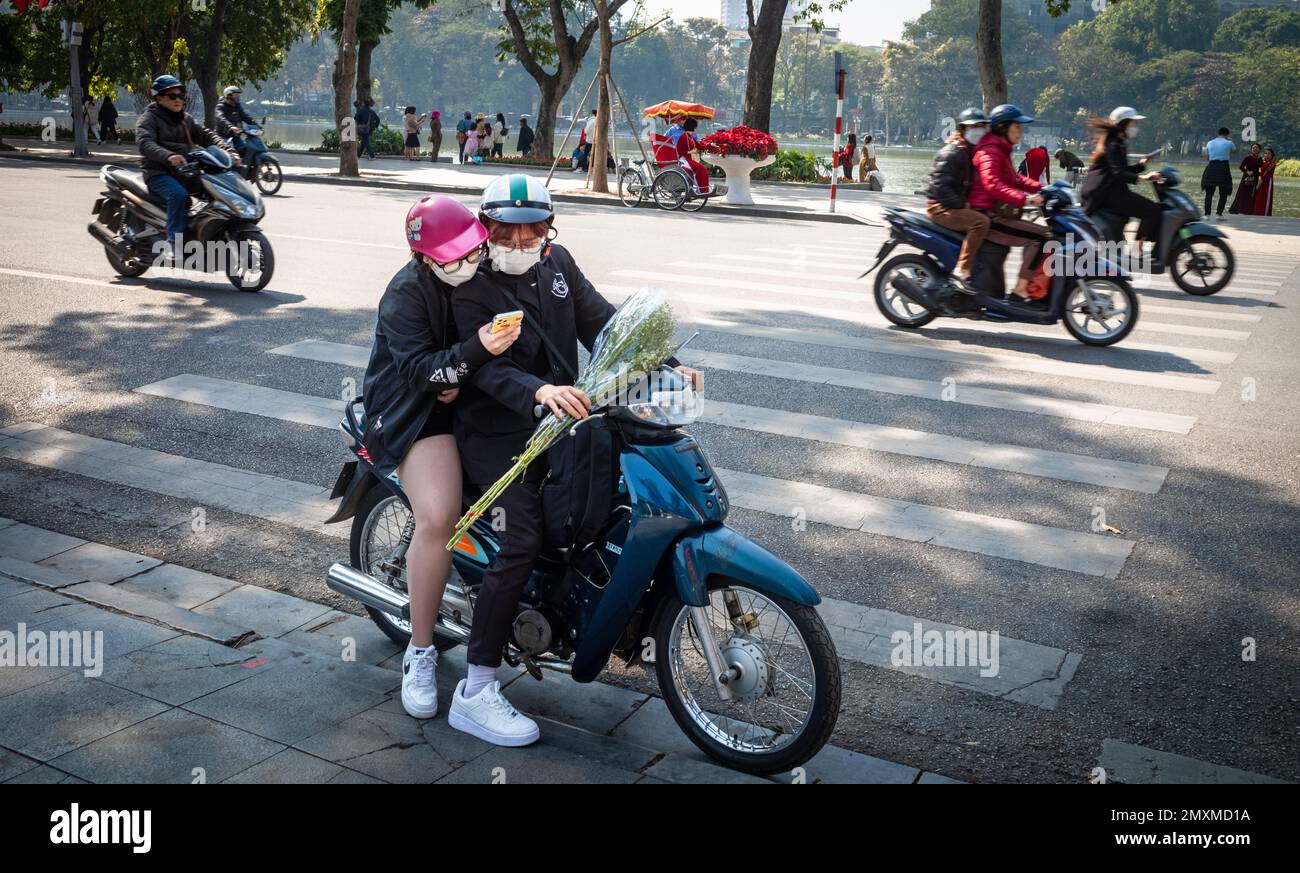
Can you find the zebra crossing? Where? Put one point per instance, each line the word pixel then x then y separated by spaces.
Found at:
pixel 807 328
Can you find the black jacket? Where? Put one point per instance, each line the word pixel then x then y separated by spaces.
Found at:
pixel 525 139
pixel 950 176
pixel 160 133
pixel 230 115
pixel 107 112
pixel 1108 170
pixel 494 413
pixel 416 355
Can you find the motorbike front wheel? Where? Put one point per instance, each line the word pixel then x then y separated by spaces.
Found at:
pixel 267 175
pixel 1203 265
pixel 253 262
pixel 1100 311
pixel 786 689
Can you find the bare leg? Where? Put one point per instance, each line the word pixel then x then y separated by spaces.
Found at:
pixel 430 475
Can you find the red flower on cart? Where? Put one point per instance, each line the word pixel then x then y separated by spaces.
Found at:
pixel 740 140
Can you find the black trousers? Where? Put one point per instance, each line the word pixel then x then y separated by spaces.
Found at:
pixel 1124 200
pixel 504 580
pixel 1217 176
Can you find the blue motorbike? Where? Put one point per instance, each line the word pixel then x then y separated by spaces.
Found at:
pixel 1091 294
pixel 260 167
pixel 645 569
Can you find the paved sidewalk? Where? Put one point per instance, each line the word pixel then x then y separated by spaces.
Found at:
pixel 204 678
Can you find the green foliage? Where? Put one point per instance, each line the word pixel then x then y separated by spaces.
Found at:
pixel 1288 167
pixel 1258 28
pixel 790 166
pixel 386 141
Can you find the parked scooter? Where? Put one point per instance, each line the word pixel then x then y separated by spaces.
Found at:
pixel 649 572
pixel 260 167
pixel 1196 254
pixel 130 222
pixel 1098 307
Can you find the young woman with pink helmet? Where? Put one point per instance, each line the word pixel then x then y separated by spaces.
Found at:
pixel 416 369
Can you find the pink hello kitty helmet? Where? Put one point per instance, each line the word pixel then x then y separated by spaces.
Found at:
pixel 443 229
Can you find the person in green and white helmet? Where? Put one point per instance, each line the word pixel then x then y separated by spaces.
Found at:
pixel 525 270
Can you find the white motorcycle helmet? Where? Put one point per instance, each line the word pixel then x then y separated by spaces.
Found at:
pixel 516 199
pixel 1125 113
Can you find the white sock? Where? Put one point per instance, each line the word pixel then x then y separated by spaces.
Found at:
pixel 478 679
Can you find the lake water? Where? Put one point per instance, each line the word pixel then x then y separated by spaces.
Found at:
pixel 905 169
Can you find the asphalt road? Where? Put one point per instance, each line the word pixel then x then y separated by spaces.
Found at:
pixel 1151 653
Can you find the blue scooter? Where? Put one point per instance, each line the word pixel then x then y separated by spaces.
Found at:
pixel 646 569
pixel 1093 298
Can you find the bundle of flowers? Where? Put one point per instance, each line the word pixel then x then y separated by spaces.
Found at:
pixel 740 140
pixel 637 338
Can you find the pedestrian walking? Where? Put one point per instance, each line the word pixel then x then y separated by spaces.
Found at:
pixel 1217 175
pixel 108 122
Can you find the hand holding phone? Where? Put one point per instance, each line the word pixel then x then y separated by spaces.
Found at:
pixel 506 320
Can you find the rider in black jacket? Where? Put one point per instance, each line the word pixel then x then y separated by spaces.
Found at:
pixel 494 419
pixel 1106 186
pixel 165 134
pixel 417 367
pixel 231 116
pixel 949 191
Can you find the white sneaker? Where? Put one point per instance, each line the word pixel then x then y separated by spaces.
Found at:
pixel 489 716
pixel 419 688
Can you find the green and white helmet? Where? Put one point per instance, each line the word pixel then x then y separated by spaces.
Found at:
pixel 516 199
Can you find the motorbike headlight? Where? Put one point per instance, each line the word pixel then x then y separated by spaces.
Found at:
pixel 669 408
pixel 248 210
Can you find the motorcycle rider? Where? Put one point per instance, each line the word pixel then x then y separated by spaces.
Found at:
pixel 1106 186
pixel 948 193
pixel 417 365
pixel 165 133
pixel 998 190
pixel 231 117
pixel 494 418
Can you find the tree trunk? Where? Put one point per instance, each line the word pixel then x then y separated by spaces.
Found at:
pixel 548 106
pixel 600 148
pixel 345 74
pixel 988 53
pixel 364 54
pixel 207 66
pixel 765 40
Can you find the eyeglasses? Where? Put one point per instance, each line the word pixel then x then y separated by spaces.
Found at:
pixel 472 258
pixel 530 248
pixel 173 95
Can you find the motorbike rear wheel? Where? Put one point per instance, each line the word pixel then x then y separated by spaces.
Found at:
pixel 267 174
pixel 895 305
pixel 130 269
pixel 1198 258
pixel 786 697
pixel 376 531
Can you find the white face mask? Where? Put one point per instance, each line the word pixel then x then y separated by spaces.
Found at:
pixel 516 262
pixel 460 277
pixel 1131 131
pixel 973 135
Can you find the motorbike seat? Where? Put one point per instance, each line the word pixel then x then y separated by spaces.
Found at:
pixel 938 230
pixel 130 180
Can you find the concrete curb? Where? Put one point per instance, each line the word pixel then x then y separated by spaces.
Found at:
pixel 594 199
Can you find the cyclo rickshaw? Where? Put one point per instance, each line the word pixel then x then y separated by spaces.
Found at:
pixel 662 178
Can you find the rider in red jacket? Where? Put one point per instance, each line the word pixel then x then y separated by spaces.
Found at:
pixel 997 189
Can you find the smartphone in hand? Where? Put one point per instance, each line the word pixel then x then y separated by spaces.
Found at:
pixel 505 320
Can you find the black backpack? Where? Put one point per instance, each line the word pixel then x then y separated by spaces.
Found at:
pixel 580 491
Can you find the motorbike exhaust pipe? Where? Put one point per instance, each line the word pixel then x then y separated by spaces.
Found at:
pixel 914 292
pixel 351 582
pixel 105 236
